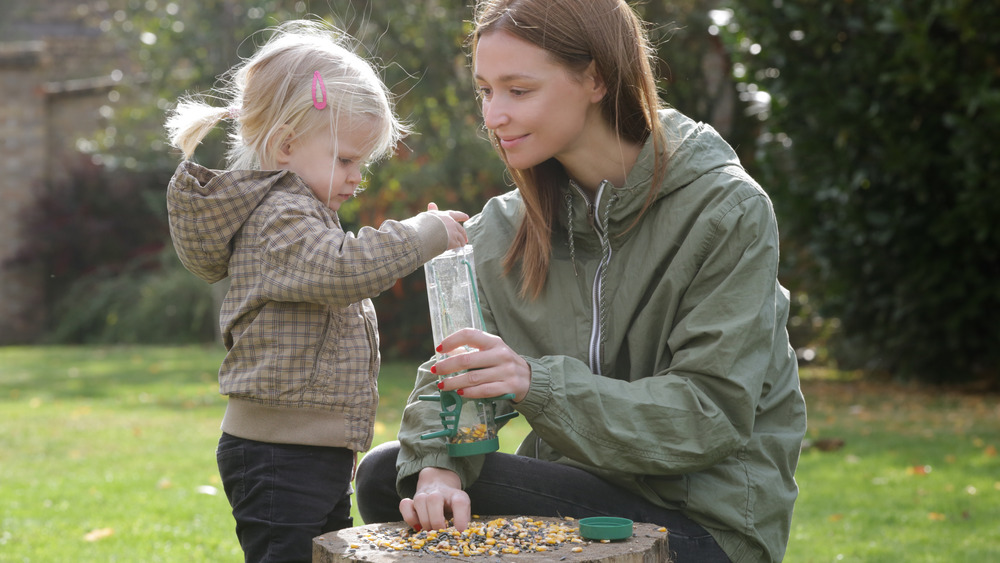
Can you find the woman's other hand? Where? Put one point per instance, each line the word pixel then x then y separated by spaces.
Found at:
pixel 439 494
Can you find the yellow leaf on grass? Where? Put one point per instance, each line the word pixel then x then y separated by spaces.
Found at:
pixel 936 516
pixel 98 534
pixel 836 517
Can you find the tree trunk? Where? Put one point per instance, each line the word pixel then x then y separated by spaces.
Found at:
pixel 647 545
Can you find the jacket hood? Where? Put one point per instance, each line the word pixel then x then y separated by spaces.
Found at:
pixel 206 208
pixel 693 149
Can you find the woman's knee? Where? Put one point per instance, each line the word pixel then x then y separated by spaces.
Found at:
pixel 375 484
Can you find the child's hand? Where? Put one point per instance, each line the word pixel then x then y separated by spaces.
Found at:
pixel 457 237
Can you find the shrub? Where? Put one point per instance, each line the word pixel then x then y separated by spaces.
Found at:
pixel 99 237
pixel 151 300
pixel 879 152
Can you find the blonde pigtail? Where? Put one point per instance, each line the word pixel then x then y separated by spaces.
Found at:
pixel 191 121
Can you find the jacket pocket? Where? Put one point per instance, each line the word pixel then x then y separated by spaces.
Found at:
pixel 674 490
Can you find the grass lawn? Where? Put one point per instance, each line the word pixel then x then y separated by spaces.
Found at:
pixel 107 454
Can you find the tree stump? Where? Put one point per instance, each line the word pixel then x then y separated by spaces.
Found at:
pixel 647 545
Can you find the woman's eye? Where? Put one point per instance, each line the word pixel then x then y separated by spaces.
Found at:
pixel 485 92
pixel 517 93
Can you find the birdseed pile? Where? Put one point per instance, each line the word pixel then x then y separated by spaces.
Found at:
pixel 500 536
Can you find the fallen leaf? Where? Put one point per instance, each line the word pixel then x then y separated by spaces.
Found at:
pixel 829 444
pixel 98 534
pixel 990 451
pixel 836 517
pixel 936 516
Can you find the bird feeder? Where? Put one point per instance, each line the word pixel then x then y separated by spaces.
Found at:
pixel 470 425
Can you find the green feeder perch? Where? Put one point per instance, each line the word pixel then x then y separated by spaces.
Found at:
pixel 478 434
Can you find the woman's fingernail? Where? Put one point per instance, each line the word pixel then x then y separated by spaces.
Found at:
pixel 434 370
pixel 417 528
pixel 440 348
pixel 461 391
pixel 440 384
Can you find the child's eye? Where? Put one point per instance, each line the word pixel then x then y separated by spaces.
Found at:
pixel 485 92
pixel 346 161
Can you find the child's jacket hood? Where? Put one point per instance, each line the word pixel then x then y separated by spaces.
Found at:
pixel 208 207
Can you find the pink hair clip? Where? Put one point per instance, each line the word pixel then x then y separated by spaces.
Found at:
pixel 317 79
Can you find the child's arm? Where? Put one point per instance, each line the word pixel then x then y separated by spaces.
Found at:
pixel 303 258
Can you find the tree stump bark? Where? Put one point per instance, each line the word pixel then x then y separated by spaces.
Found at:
pixel 647 545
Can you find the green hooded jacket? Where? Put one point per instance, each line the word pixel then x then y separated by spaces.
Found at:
pixel 659 355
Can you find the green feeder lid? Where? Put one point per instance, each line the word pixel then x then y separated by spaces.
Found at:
pixel 605 528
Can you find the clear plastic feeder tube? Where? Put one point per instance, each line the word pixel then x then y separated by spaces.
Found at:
pixel 451 293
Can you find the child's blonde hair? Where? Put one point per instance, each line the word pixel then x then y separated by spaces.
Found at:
pixel 272 95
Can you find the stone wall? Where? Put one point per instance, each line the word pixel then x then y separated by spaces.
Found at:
pixel 56 70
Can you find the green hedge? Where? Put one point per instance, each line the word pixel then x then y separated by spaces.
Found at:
pixel 879 152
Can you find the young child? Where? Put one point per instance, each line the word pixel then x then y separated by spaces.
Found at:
pixel 298 322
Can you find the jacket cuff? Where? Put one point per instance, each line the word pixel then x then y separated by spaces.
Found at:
pixel 431 233
pixel 540 391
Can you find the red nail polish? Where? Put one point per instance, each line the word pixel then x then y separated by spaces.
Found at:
pixel 434 369
pixel 440 384
pixel 440 348
pixel 461 391
pixel 417 528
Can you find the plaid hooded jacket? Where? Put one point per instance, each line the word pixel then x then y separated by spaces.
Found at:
pixel 297 322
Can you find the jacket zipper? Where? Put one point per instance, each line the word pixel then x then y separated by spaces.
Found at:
pixel 593 216
pixel 373 367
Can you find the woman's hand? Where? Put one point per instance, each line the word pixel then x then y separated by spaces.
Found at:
pixel 439 494
pixel 457 237
pixel 493 368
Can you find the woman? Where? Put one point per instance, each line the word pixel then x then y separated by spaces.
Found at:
pixel 629 286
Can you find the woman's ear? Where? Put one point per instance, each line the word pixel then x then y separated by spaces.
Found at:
pixel 594 80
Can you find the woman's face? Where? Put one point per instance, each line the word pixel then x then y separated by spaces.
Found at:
pixel 535 106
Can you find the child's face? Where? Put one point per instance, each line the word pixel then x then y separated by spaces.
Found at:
pixel 330 165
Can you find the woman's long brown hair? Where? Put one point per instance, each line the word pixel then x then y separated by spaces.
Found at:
pixel 576 33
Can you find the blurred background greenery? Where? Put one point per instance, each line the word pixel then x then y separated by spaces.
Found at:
pixel 869 123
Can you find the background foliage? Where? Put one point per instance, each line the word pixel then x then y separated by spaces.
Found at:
pixel 868 122
pixel 182 47
pixel 880 158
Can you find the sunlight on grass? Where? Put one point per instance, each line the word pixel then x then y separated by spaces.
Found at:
pixel 108 454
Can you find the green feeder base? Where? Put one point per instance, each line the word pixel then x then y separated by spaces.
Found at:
pixel 474 448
